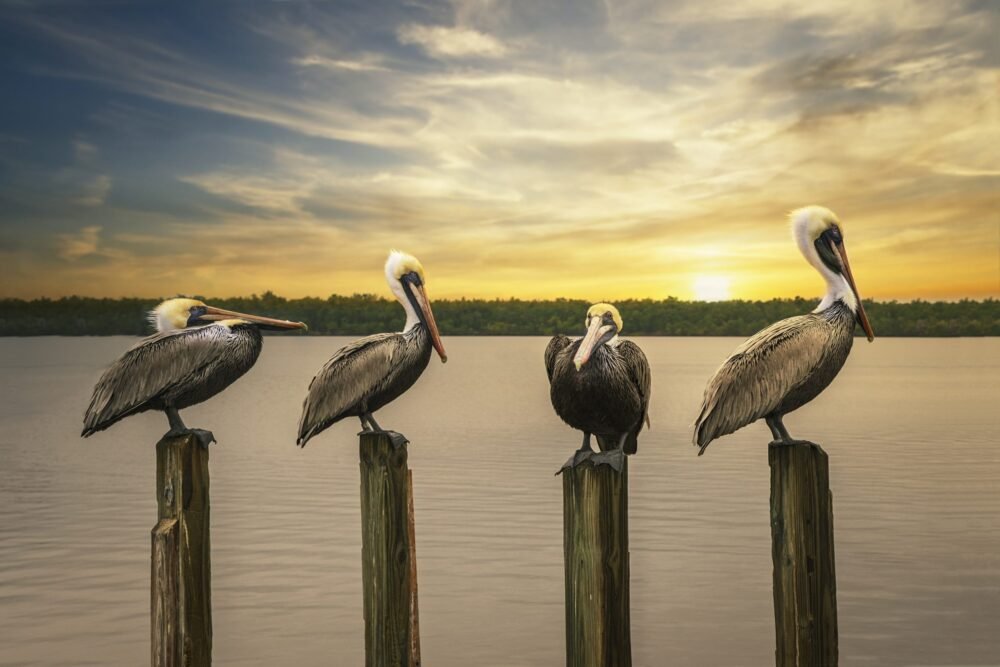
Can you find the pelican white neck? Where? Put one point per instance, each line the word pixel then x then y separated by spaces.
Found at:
pixel 807 225
pixel 412 319
pixel 392 271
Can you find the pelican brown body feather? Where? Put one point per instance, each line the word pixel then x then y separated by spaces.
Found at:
pixel 608 396
pixel 778 370
pixel 371 372
pixel 173 369
pixel 791 362
pixel 362 377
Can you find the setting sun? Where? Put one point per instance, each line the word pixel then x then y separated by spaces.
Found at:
pixel 711 288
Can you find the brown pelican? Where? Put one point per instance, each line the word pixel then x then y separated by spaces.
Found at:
pixel 786 365
pixel 600 385
pixel 197 352
pixel 370 373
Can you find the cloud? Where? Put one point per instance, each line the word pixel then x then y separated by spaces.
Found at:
pixel 84 181
pixel 956 170
pixel 86 152
pixel 94 190
pixel 79 244
pixel 262 193
pixel 338 64
pixel 665 137
pixel 165 74
pixel 444 42
pixel 602 156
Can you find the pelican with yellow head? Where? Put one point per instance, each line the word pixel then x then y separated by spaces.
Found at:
pixel 369 373
pixel 198 351
pixel 600 384
pixel 786 365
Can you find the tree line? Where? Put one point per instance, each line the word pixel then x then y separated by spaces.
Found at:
pixel 365 313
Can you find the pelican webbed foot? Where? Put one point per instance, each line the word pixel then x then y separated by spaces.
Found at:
pixel 369 425
pixel 788 442
pixel 579 456
pixel 780 434
pixel 614 458
pixel 205 438
pixel 397 439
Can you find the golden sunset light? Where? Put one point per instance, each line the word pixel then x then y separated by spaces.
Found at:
pixel 711 288
pixel 521 151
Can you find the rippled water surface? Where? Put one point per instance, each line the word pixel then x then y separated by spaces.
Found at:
pixel 910 425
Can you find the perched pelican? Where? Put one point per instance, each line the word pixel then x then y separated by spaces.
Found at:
pixel 197 352
pixel 786 365
pixel 370 373
pixel 600 385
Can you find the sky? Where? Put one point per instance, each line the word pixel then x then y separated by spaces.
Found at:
pixel 594 150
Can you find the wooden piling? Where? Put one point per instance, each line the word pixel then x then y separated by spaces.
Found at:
pixel 181 578
pixel 805 583
pixel 595 544
pixel 414 603
pixel 388 568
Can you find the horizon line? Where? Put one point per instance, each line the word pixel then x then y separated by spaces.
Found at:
pixel 488 299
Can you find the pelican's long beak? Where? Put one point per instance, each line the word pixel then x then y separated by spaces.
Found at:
pixel 595 332
pixel 213 313
pixel 432 327
pixel 862 316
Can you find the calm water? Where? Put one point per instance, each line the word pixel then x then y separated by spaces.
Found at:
pixel 910 425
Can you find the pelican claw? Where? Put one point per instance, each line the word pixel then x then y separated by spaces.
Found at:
pixel 579 456
pixel 205 437
pixel 614 458
pixel 398 439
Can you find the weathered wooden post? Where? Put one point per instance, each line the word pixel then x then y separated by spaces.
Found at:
pixel 388 568
pixel 805 583
pixel 595 544
pixel 181 582
pixel 414 606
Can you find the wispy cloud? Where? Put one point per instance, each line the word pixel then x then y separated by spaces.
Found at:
pixel 451 42
pixel 92 190
pixel 85 242
pixel 369 65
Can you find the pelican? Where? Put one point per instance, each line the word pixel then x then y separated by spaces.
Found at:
pixel 600 385
pixel 786 365
pixel 198 351
pixel 370 373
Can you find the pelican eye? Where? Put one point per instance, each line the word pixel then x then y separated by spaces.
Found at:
pixel 412 277
pixel 195 313
pixel 824 245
